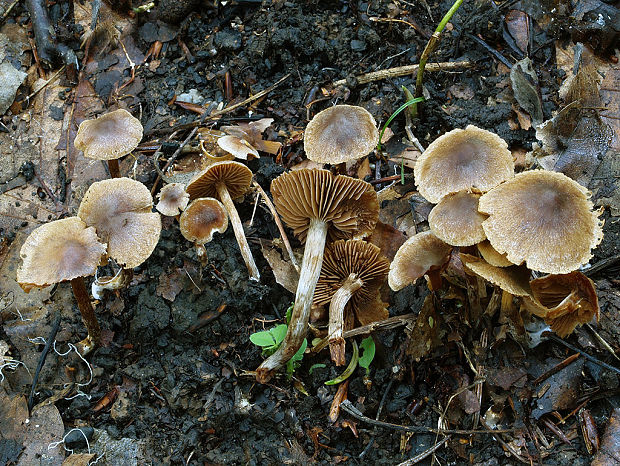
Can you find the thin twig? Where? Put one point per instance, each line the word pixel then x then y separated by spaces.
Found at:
pixel 404 71
pixel 425 454
pixel 161 171
pixel 379 410
pixel 42 358
pixel 276 217
pixel 585 355
pixel 603 342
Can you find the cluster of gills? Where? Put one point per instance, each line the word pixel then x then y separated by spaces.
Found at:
pixel 487 223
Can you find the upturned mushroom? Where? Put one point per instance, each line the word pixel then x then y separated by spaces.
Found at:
pixel 317 205
pixel 173 199
pixel 564 301
pixel 351 275
pixel 339 134
pixel 456 220
pixel 544 219
pixel 202 218
pixel 226 181
pixel 463 159
pixel 120 211
pixel 422 254
pixel 109 137
pixel 59 251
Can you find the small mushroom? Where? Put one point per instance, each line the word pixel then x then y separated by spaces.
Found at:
pixel 202 218
pixel 172 199
pixel 227 181
pixel 565 301
pixel 544 219
pixel 109 137
pixel 422 254
pixel 339 134
pixel 239 148
pixel 317 205
pixel 120 211
pixel 463 159
pixel 493 257
pixel 352 273
pixel 456 220
pixel 64 250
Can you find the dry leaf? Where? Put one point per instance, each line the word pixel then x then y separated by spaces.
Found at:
pixel 283 271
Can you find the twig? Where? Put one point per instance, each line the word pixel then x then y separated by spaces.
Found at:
pixel 491 50
pixel 585 355
pixel 40 88
pixel 379 410
pixel 8 10
pixel 276 217
pixel 603 342
pixel 404 71
pixel 425 453
pixel 555 369
pixel 42 358
pixel 602 265
pixel 161 171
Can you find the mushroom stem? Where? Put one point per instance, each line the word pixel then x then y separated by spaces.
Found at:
pixel 238 229
pixel 114 167
pixel 308 277
pixel 336 317
pixel 88 316
pixel 201 252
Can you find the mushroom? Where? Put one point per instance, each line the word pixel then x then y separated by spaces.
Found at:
pixel 109 137
pixel 463 159
pixel 339 134
pixel 120 211
pixel 493 257
pixel 456 220
pixel 318 206
pixel 565 301
pixel 544 219
pixel 202 218
pixel 227 181
pixel 422 254
pixel 239 148
pixel 172 199
pixel 64 250
pixel 352 273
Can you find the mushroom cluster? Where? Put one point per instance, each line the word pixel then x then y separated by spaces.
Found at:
pixel 536 220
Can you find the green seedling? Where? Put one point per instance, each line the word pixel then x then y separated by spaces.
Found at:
pixel 350 368
pixel 269 340
pixel 368 354
pixel 315 366
pixel 295 361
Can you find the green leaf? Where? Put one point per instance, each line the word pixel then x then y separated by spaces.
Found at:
pixel 368 353
pixel 315 366
pixel 278 333
pixel 294 362
pixel 349 370
pixel 289 312
pixel 263 338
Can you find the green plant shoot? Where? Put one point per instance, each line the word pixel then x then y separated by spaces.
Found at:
pixel 269 340
pixel 368 354
pixel 295 361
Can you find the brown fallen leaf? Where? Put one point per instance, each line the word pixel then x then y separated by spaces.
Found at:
pixel 78 459
pixel 283 271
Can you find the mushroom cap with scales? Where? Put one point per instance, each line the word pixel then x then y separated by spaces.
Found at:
pixel 339 134
pixel 463 159
pixel 456 220
pixel 234 175
pixel 172 199
pixel 111 136
pixel 544 219
pixel 59 251
pixel 348 206
pixel 120 211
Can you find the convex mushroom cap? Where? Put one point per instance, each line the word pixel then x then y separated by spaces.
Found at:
pixel 417 256
pixel 110 136
pixel 565 301
pixel 202 218
pixel 234 175
pixel 172 199
pixel 120 211
pixel 456 220
pixel 544 219
pixel 463 159
pixel 59 251
pixel 339 134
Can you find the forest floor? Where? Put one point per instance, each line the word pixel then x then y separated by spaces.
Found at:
pixel 173 382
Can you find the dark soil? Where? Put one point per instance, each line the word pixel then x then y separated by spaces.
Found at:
pixel 182 377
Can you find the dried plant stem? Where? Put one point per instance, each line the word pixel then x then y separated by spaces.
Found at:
pixel 298 327
pixel 88 316
pixel 238 229
pixel 336 317
pixel 114 167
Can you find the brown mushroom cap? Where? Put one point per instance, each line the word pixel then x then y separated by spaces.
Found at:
pixel 463 159
pixel 415 258
pixel 236 176
pixel 58 251
pixel 543 218
pixel 172 199
pixel 120 211
pixel 493 257
pixel 347 205
pixel 339 134
pixel 343 258
pixel 514 280
pixel 570 300
pixel 456 220
pixel 238 147
pixel 203 217
pixel 110 136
